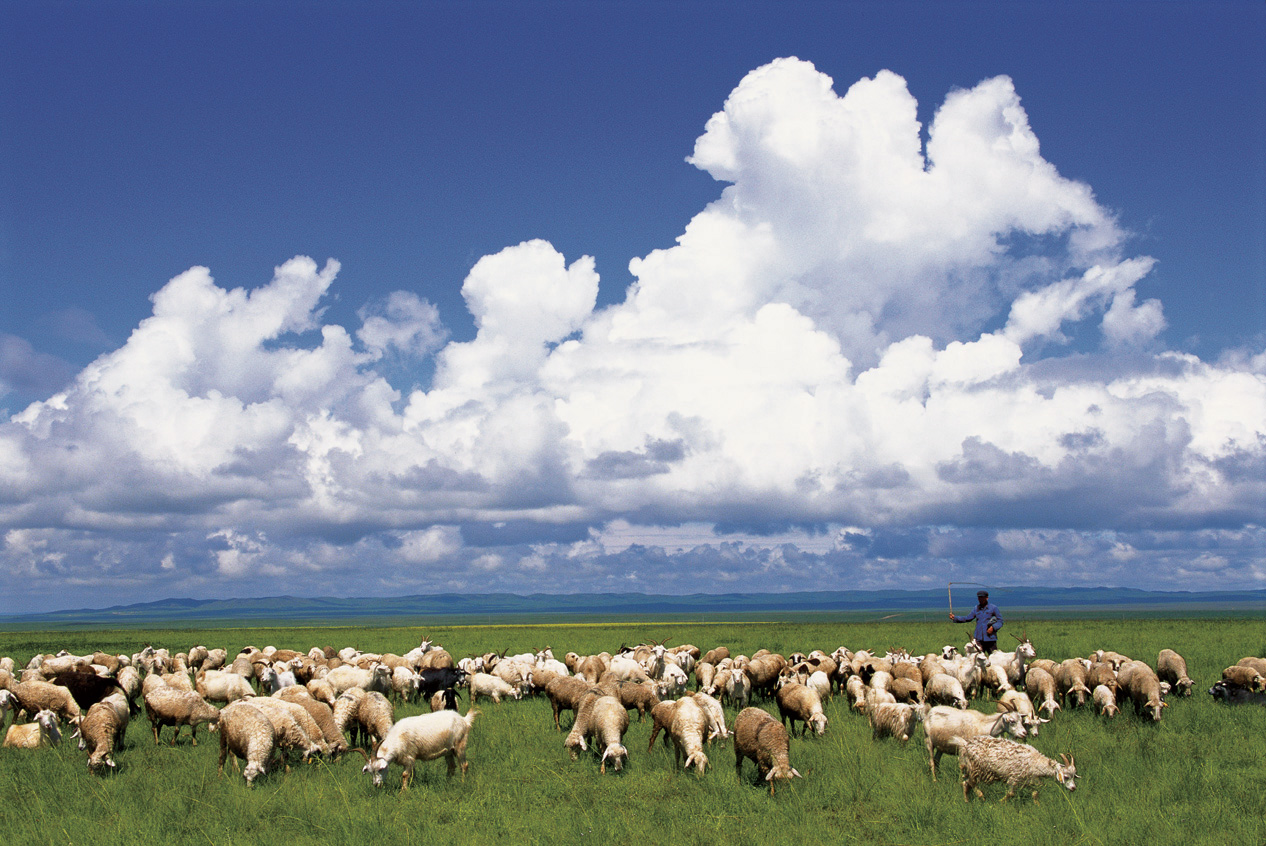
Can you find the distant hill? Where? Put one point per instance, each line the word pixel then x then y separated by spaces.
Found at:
pixel 504 607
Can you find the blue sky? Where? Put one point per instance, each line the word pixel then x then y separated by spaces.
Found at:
pixel 466 402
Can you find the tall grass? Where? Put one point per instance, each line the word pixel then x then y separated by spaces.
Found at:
pixel 1196 777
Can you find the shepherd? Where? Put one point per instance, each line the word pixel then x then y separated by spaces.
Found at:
pixel 988 621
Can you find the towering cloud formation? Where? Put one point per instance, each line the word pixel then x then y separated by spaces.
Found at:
pixel 859 332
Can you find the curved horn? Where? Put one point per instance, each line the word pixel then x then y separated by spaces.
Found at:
pixel 1067 761
pixel 361 751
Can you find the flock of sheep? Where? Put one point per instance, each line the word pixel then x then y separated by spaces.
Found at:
pixel 281 705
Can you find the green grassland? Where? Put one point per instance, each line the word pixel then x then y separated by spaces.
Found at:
pixel 1197 777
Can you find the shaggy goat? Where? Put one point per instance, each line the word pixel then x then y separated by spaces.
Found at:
pixel 984 760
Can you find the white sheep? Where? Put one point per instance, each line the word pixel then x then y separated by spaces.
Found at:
pixel 798 702
pixel 1018 701
pixel 42 732
pixel 895 720
pixel 944 725
pixel 686 731
pixel 983 760
pixel 167 706
pixel 248 733
pixel 222 686
pixel 423 738
pixel 102 729
pixel 1104 701
pixel 715 715
pixel 945 689
pixel 491 687
pixel 608 721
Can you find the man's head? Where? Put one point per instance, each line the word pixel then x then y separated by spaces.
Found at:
pixel 983 597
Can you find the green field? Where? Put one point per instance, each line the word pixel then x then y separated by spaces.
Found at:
pixel 1197 777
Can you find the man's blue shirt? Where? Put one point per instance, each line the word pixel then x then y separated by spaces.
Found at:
pixel 984 617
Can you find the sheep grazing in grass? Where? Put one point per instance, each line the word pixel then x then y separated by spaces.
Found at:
pixel 296 728
pixel 984 760
pixel 321 714
pixel 608 721
pixel 856 690
pixel 944 689
pixel 798 702
pixel 167 706
pixel 35 696
pixel 222 686
pixel 1245 676
pixel 686 731
pixel 444 700
pixel 565 693
pixel 1041 688
pixel 636 696
pixel 422 738
pixel 895 720
pixel 715 716
pixel 943 724
pixel 42 732
pixel 757 735
pixel 1019 702
pixel 102 729
pixel 575 740
pixel 376 715
pixel 661 719
pixel 345 708
pixel 1139 682
pixel 247 732
pixel 491 687
pixel 1104 701
pixel 1070 680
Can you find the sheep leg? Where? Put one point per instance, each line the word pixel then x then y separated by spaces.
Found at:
pixel 193 729
pixel 405 777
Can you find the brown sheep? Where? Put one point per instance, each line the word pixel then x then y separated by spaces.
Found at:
pixel 758 736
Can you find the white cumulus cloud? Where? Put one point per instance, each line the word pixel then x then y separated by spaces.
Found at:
pixel 860 331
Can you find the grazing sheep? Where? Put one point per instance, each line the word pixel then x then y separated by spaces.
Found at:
pixel 101 730
pixel 1104 701
pixel 704 673
pixel 565 693
pixel 717 655
pixel 321 714
pixel 376 715
pixel 661 719
pixel 42 732
pixel 422 738
pixel 820 681
pixel 322 691
pixel 686 731
pixel 345 708
pixel 633 695
pixel 1041 686
pixel 248 733
pixel 797 702
pixel 35 696
pixel 894 720
pixel 6 703
pixel 1019 702
pixel 222 686
pixel 943 724
pixel 1244 676
pixel 757 735
pixel 1102 673
pixel 984 760
pixel 608 721
pixel 715 715
pixel 944 689
pixel 575 740
pixel 491 687
pixel 85 686
pixel 1139 682
pixel 167 706
pixel 1258 664
pixel 906 690
pixel 1070 680
pixel 764 671
pixel 856 690
pixel 296 728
